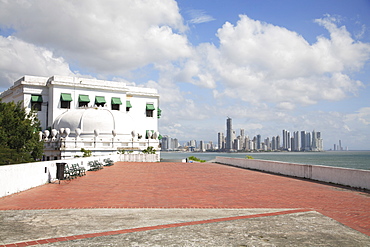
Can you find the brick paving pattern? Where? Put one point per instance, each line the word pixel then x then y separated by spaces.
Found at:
pixel 184 185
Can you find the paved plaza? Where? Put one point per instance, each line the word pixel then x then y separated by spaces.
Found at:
pixel 185 204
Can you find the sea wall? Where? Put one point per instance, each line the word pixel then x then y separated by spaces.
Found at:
pixel 342 176
pixel 19 177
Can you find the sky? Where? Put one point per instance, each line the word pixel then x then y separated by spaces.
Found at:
pixel 269 65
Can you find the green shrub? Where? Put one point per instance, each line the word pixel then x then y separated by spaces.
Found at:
pixel 195 159
pixel 149 150
pixel 86 153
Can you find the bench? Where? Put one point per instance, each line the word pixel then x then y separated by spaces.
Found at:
pixel 81 171
pixel 95 165
pixel 69 173
pixel 108 162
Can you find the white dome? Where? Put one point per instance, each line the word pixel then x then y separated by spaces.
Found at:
pixel 88 120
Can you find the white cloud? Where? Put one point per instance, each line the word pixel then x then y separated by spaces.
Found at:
pixel 105 37
pixel 259 62
pixel 199 16
pixel 362 116
pixel 19 58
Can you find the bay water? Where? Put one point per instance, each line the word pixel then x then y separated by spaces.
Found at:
pixel 346 159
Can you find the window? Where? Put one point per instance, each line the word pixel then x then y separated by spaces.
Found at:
pixel 83 100
pixel 36 101
pixel 128 105
pixel 100 101
pixel 65 100
pixel 149 110
pixel 116 102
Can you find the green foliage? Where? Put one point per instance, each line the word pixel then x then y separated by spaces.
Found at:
pixel 249 157
pixel 196 159
pixel 149 150
pixel 86 153
pixel 122 151
pixel 19 136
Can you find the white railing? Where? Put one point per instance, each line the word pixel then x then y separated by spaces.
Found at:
pixel 343 176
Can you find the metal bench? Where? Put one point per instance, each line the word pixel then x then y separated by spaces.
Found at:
pixel 95 165
pixel 69 173
pixel 81 171
pixel 108 162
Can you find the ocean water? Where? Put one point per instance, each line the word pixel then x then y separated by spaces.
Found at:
pixel 346 159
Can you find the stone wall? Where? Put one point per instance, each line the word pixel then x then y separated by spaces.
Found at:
pixel 343 176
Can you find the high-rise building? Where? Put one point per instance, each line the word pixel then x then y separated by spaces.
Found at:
pixel 202 146
pixel 221 141
pixel 286 140
pixel 174 143
pixel 165 143
pixel 236 144
pixel 314 144
pixel 229 134
pixel 303 141
pixel 242 132
pixel 278 143
pixel 241 139
pixel 251 145
pixel 295 146
pixel 267 144
pixel 211 147
pixel 259 142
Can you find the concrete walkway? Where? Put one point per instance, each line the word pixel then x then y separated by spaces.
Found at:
pixel 183 204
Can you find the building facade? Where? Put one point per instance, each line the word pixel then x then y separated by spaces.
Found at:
pixel 101 116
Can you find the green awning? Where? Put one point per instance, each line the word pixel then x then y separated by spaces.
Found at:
pixel 128 104
pixel 36 98
pixel 116 101
pixel 83 98
pixel 66 97
pixel 150 107
pixel 99 100
pixel 159 112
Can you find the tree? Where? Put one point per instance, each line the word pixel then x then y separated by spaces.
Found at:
pixel 19 135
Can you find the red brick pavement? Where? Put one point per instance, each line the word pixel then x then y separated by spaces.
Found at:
pixel 180 185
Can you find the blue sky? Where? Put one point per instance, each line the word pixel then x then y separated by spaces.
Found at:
pixel 269 65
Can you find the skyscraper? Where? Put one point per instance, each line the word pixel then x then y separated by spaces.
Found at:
pixel 286 140
pixel 278 142
pixel 303 140
pixel 273 143
pixel 229 134
pixel 296 143
pixel 258 142
pixel 221 141
pixel 314 146
pixel 202 146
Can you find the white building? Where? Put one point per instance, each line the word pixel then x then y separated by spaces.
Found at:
pixel 100 116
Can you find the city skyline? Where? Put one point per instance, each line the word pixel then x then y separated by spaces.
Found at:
pixel 296 141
